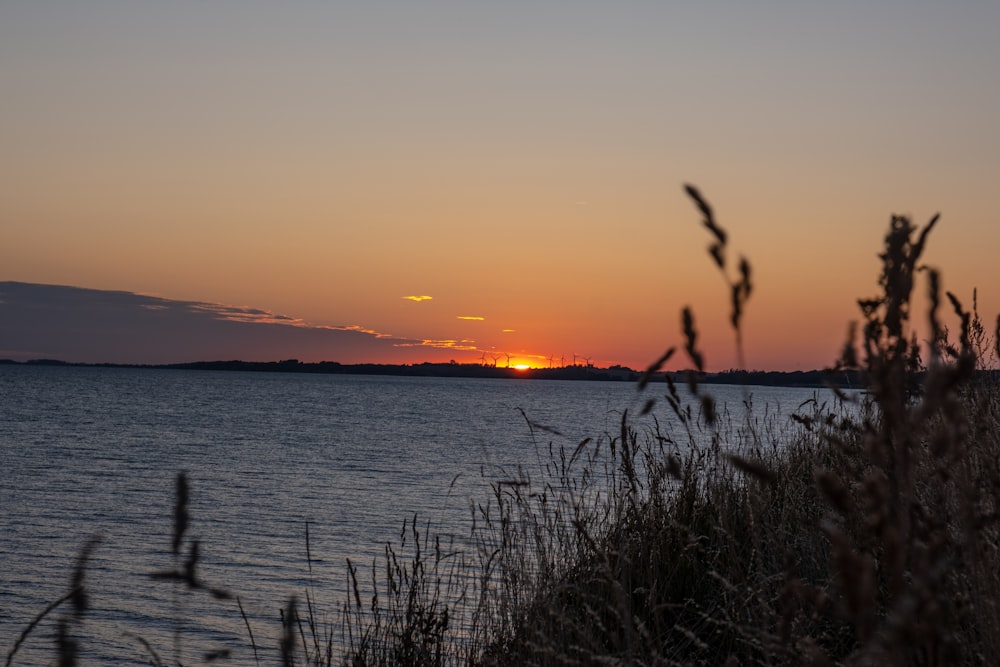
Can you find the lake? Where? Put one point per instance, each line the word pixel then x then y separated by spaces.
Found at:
pixel 95 451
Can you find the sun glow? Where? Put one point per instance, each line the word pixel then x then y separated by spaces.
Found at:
pixel 521 367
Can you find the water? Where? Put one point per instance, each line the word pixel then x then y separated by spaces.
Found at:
pixel 88 451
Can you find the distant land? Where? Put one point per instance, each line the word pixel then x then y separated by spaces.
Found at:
pixel 815 378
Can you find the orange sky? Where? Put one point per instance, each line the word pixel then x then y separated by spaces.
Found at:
pixel 518 162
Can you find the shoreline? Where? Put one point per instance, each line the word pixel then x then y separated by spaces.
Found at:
pixel 805 379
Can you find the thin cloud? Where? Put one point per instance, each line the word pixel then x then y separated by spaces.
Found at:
pixel 474 318
pixel 240 314
pixel 465 345
pixel 258 316
pixel 358 328
pixel 418 299
pixel 246 315
pixel 508 330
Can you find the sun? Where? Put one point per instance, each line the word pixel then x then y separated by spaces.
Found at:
pixel 521 367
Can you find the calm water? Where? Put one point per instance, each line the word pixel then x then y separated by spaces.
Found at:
pixel 95 452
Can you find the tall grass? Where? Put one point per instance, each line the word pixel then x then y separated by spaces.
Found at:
pixel 867 535
pixel 862 531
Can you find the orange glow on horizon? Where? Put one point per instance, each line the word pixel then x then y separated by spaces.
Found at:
pixel 525 361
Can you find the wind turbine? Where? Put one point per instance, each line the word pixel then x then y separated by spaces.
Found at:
pixel 482 359
pixel 508 359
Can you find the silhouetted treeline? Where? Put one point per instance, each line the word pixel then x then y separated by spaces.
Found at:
pixel 426 369
pixel 814 378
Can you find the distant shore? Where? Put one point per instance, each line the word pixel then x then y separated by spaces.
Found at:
pixel 813 378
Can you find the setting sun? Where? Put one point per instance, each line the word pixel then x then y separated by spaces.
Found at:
pixel 521 367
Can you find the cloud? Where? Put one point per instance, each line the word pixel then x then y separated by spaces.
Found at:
pixel 359 329
pixel 474 318
pixel 422 297
pixel 508 330
pixel 243 314
pixel 465 344
pixel 95 326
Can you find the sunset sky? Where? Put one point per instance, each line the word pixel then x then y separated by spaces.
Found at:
pixel 520 163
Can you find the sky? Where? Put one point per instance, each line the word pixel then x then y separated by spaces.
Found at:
pixel 522 164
